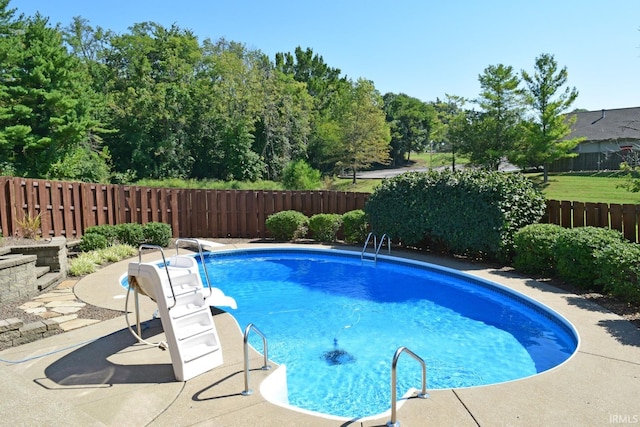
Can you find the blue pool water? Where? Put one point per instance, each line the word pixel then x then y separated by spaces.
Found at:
pixel 336 321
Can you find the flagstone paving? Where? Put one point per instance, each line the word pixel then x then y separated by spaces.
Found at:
pixel 60 306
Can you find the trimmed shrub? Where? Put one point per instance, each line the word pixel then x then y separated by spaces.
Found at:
pixel 534 247
pixel 287 225
pixel 469 212
pixel 92 242
pixel 355 226
pixel 324 227
pixel 618 267
pixel 129 234
pixel 108 231
pixel 575 254
pixel 157 233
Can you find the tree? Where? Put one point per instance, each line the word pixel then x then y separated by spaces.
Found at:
pixel 152 72
pixel 327 89
pixel 547 129
pixel 45 103
pixel 495 130
pixel 364 132
pixel 284 123
pixel 451 118
pixel 411 122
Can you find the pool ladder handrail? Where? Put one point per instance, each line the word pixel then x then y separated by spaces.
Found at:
pixel 376 246
pixel 247 391
pixel 423 393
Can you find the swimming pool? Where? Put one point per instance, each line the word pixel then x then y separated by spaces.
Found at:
pixel 335 321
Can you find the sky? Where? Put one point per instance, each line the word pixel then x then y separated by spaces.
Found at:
pixel 423 48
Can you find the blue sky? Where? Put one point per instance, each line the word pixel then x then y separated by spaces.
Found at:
pixel 425 49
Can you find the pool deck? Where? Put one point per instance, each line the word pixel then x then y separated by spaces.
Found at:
pixel 98 375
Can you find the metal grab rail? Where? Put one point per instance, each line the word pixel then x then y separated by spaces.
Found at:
pixel 164 263
pixel 247 391
pixel 423 393
pixel 376 246
pixel 204 267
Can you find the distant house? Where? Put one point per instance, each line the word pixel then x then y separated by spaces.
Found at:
pixel 611 137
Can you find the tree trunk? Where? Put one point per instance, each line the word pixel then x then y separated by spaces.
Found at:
pixel 545 173
pixel 354 175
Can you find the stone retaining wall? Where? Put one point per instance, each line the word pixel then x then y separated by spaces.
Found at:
pixel 18 267
pixel 14 332
pixel 52 253
pixel 18 277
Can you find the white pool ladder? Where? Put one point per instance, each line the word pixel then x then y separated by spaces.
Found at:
pixel 364 254
pixel 176 286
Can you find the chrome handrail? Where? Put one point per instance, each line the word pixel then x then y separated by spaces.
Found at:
pixel 364 248
pixel 376 246
pixel 247 391
pixel 381 242
pixel 423 393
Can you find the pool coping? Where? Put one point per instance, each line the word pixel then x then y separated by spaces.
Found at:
pixel 131 384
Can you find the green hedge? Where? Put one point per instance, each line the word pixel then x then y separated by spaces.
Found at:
pixel 355 226
pixel 132 234
pixel 575 254
pixel 324 227
pixel 534 248
pixel 618 266
pixel 287 225
pixel 467 212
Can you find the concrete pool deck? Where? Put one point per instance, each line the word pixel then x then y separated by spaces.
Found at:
pixel 99 374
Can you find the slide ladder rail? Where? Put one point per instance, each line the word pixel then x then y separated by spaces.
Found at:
pixel 201 255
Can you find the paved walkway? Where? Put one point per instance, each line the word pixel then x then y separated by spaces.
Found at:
pixel 99 375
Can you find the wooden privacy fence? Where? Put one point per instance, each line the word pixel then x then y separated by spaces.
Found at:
pixel 623 217
pixel 68 208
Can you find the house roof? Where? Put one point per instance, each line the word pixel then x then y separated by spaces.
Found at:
pixel 607 125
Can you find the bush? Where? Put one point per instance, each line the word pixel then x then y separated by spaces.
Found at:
pixel 468 212
pixel 129 234
pixel 355 226
pixel 575 254
pixel 157 233
pixel 618 267
pixel 108 231
pixel 287 225
pixel 92 242
pixel 534 247
pixel 298 175
pixel 324 227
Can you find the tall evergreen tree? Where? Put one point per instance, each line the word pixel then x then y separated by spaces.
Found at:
pixel 494 131
pixel 547 130
pixel 45 104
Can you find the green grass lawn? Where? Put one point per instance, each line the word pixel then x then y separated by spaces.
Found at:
pixel 575 188
pixel 598 188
